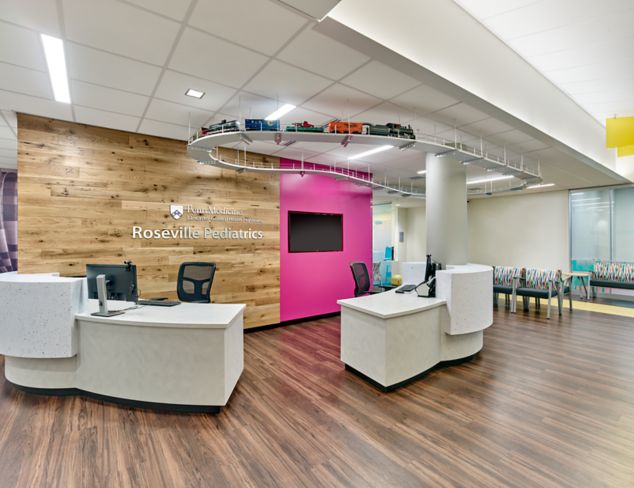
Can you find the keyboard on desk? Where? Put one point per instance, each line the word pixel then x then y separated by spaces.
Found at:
pixel 406 288
pixel 159 303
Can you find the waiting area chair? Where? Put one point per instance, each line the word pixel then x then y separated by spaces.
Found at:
pixel 362 282
pixel 538 284
pixel 194 282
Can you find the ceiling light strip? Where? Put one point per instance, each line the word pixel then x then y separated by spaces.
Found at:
pixel 56 62
pixel 280 112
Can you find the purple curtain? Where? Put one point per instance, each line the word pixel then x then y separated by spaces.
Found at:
pixel 8 221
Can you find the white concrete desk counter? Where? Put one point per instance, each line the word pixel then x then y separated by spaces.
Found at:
pixel 188 357
pixel 393 338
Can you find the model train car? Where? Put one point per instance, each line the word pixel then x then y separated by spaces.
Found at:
pixel 339 127
pixel 390 129
pixel 304 127
pixel 222 126
pixel 261 124
pixel 397 130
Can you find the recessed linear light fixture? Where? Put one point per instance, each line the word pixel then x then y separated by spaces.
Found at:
pixel 422 172
pixel 541 185
pixel 376 150
pixel 280 112
pixel 489 180
pixel 56 62
pixel 194 93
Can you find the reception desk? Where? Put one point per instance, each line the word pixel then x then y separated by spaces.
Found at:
pixel 392 338
pixel 186 358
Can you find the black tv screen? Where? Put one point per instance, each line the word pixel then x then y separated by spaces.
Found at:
pixel 315 232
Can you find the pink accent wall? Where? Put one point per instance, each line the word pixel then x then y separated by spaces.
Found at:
pixel 311 283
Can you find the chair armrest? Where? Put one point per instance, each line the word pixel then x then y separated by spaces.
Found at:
pixel 516 282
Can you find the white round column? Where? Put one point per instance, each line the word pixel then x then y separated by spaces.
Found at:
pixel 446 214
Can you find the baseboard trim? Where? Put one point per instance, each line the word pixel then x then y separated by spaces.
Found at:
pixel 124 402
pixel 395 386
pixel 291 322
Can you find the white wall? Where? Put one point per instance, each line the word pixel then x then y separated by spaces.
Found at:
pixel 528 230
pixel 415 234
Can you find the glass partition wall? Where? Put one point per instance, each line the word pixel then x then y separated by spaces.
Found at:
pixel 601 228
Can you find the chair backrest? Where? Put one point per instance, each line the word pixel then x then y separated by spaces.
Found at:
pixel 194 282
pixel 539 278
pixel 613 271
pixel 361 277
pixel 503 275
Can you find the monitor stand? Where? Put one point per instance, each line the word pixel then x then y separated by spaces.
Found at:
pixel 102 296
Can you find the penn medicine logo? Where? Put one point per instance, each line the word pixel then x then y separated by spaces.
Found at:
pixel 176 211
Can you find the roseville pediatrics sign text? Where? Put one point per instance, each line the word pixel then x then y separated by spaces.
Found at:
pixel 210 214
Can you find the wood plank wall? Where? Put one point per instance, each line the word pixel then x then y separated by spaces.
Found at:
pixel 82 188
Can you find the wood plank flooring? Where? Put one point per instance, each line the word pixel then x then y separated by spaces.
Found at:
pixel 546 403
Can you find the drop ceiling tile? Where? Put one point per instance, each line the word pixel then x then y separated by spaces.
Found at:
pixel 579 35
pixel 24 80
pixel 512 137
pixel 314 51
pixel 341 101
pixel 292 153
pixel 10 118
pixel 486 127
pixel 35 106
pixel 247 105
pixel 609 70
pixel 6 152
pixel 326 158
pixel 21 46
pixel 6 132
pixel 101 68
pixel 459 115
pixel 594 54
pixel 386 112
pixel 8 163
pixel 9 144
pixel 424 99
pixel 108 99
pixel 173 86
pixel 39 15
pixel 488 8
pixel 301 114
pixel 174 113
pixel 162 129
pixel 213 59
pixel 101 118
pixel 380 80
pixel 530 146
pixel 426 126
pixel 262 25
pixel 120 28
pixel 530 18
pixel 175 9
pixel 286 83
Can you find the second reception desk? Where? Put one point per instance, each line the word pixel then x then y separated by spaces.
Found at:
pixel 392 338
pixel 187 357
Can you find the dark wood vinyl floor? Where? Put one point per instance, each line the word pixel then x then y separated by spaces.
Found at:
pixel 546 403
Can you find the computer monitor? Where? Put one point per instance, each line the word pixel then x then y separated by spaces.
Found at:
pixel 121 283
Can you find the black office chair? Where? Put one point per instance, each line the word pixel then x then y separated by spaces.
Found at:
pixel 194 282
pixel 362 282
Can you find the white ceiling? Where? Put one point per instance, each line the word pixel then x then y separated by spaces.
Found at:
pixel 585 47
pixel 131 61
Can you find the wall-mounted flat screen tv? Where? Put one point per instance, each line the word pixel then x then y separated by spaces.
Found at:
pixel 315 232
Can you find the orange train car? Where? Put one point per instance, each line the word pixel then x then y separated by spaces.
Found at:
pixel 348 127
